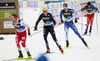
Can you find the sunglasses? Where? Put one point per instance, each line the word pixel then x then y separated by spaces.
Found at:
pixel 65 5
pixel 12 18
pixel 44 11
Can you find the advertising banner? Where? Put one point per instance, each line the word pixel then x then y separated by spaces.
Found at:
pixel 6 14
pixel 7 8
pixel 7 5
pixel 8 25
pixel 20 4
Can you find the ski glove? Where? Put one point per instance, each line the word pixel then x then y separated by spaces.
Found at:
pixel 29 34
pixel 81 9
pixel 62 21
pixel 75 20
pixel 96 9
pixel 35 28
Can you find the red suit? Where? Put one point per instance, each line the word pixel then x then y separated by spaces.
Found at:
pixel 21 33
pixel 90 18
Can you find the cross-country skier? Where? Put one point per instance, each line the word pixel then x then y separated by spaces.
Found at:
pixel 90 16
pixel 68 22
pixel 21 34
pixel 49 24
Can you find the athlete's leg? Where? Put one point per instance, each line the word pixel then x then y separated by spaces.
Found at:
pixel 23 42
pixel 45 34
pixel 91 22
pixel 66 28
pixel 88 21
pixel 52 32
pixel 73 27
pixel 18 39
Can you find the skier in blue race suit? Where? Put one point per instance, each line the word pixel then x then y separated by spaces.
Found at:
pixel 68 17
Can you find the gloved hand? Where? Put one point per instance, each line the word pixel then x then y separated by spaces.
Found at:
pixel 75 20
pixel 62 21
pixel 35 28
pixel 29 34
pixel 96 9
pixel 81 9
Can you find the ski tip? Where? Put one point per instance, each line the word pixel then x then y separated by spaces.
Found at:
pixel 67 47
pixel 62 52
pixel 48 53
pixel 88 47
pixel 30 59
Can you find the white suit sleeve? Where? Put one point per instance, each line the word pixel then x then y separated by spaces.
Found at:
pixel 24 24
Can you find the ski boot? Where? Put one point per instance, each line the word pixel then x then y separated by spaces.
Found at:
pixel 85 32
pixel 20 55
pixel 61 49
pixel 90 31
pixel 29 55
pixel 67 43
pixel 48 50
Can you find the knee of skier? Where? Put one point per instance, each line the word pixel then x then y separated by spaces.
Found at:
pixel 76 32
pixel 23 44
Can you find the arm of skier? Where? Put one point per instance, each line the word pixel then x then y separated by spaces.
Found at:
pixel 75 13
pixel 95 8
pixel 83 8
pixel 61 17
pixel 54 22
pixel 39 19
pixel 28 27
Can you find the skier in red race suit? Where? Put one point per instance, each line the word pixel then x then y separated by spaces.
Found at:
pixel 21 34
pixel 90 16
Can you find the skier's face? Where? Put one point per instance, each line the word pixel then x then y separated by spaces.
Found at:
pixel 65 7
pixel 89 6
pixel 44 12
pixel 13 18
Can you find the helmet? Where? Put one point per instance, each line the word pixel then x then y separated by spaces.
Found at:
pixel 14 16
pixel 45 8
pixel 89 3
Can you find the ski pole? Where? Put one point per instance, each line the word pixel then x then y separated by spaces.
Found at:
pixel 34 26
pixel 42 30
pixel 37 32
pixel 82 24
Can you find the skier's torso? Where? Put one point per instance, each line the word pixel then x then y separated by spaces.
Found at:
pixel 20 25
pixel 47 20
pixel 90 10
pixel 68 16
